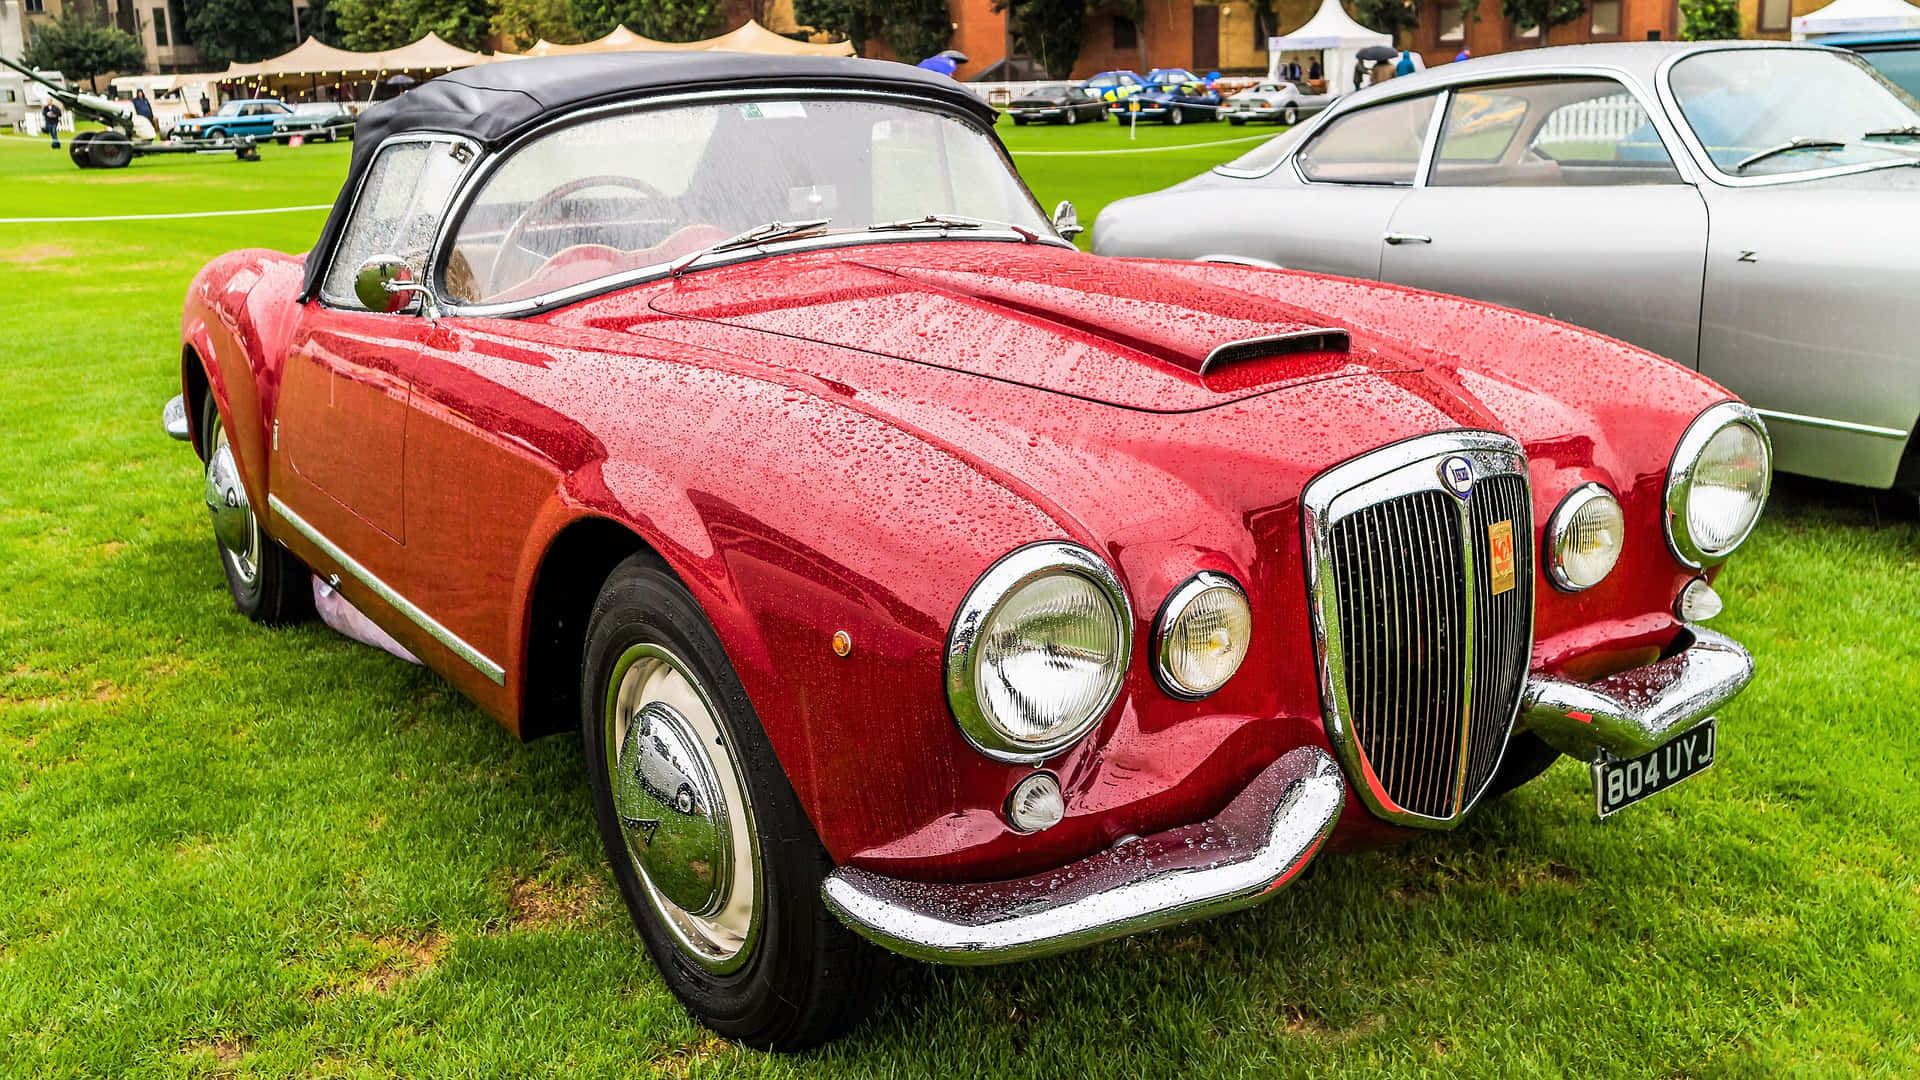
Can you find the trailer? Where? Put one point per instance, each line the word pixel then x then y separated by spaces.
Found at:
pixel 128 135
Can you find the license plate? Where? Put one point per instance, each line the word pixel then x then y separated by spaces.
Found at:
pixel 1619 783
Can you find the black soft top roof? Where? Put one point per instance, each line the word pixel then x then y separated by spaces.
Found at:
pixel 493 103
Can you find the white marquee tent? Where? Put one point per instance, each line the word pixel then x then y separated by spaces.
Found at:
pixel 1856 17
pixel 1335 35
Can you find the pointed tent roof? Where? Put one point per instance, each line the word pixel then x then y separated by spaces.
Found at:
pixel 430 53
pixel 312 57
pixel 1856 17
pixel 750 37
pixel 1332 28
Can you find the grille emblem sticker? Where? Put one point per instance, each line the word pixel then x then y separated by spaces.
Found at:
pixel 1457 473
pixel 1500 555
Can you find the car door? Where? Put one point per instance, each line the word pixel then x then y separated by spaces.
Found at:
pixel 1351 175
pixel 1559 197
pixel 340 426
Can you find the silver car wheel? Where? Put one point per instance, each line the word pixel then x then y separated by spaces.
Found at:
pixel 235 527
pixel 683 807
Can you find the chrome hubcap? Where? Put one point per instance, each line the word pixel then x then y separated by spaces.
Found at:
pixel 233 522
pixel 681 802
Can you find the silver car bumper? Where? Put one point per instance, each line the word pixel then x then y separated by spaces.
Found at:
pixel 173 417
pixel 1263 838
pixel 1635 712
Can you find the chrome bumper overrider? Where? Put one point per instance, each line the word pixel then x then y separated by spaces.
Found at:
pixel 173 417
pixel 1637 711
pixel 1264 837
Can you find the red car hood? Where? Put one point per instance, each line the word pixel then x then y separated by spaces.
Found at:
pixel 1043 317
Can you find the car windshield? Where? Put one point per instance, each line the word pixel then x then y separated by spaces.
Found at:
pixel 636 191
pixel 316 108
pixel 1901 65
pixel 231 108
pixel 1775 112
pixel 1049 90
pixel 1173 78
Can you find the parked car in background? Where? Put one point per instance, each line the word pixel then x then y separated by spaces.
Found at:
pixel 1111 86
pixel 1173 96
pixel 1057 103
pixel 253 117
pixel 1894 53
pixel 919 580
pixel 323 120
pixel 1274 102
pixel 1750 209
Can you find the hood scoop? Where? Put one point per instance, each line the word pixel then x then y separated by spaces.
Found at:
pixel 1313 339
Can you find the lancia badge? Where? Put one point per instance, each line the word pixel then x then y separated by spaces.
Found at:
pixel 1457 473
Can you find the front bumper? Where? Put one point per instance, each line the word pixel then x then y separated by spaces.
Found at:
pixel 1258 843
pixel 1637 711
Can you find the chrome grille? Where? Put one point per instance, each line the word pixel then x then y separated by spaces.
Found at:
pixel 1422 662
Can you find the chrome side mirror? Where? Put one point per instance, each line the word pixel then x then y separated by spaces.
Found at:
pixel 1066 220
pixel 385 284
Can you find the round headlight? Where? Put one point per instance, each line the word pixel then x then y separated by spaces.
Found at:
pixel 1584 538
pixel 1717 483
pixel 1202 635
pixel 1037 652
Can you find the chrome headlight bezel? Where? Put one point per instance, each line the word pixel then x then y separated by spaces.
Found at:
pixel 1178 601
pixel 1001 580
pixel 1680 477
pixel 1561 522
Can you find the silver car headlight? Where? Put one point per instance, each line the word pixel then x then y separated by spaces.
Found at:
pixel 1202 635
pixel 1584 538
pixel 1038 651
pixel 1717 483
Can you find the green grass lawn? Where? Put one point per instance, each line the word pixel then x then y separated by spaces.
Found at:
pixel 227 850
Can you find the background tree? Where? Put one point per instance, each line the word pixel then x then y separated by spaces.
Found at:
pixel 366 25
pixel 524 22
pixel 1390 17
pixel 243 30
pixel 916 29
pixel 664 20
pixel 319 20
pixel 1709 20
pixel 1049 30
pixel 1544 14
pixel 80 48
pixel 855 20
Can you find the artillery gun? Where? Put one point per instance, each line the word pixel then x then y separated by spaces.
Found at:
pixel 129 135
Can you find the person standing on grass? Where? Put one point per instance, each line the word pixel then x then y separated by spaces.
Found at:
pixel 50 115
pixel 141 106
pixel 206 106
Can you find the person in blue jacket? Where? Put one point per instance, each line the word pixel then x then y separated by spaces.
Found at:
pixel 1405 66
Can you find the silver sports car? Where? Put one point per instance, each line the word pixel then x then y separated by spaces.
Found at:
pixel 1748 209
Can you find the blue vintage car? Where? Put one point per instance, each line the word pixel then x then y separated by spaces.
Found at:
pixel 241 116
pixel 1894 53
pixel 1175 96
pixel 1114 86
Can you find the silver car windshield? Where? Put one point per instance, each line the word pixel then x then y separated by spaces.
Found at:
pixel 628 192
pixel 1775 112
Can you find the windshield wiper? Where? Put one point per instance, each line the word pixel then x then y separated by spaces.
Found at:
pixel 1785 147
pixel 952 221
pixel 1911 131
pixel 759 234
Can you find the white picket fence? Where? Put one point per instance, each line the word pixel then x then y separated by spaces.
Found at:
pixel 1603 119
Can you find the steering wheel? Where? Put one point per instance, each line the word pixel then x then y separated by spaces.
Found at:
pixel 510 246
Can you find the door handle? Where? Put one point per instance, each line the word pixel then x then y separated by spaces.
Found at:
pixel 1398 238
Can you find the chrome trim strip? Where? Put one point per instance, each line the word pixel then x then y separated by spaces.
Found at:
pixel 1637 711
pixel 1686 455
pixel 1835 425
pixel 1013 570
pixel 384 591
pixel 1387 473
pixel 1332 339
pixel 1261 841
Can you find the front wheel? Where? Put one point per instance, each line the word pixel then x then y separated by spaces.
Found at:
pixel 1073 117
pixel 268 584
pixel 1237 121
pixel 216 133
pixel 1176 117
pixel 718 865
pixel 1290 117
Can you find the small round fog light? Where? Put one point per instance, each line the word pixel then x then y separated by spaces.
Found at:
pixel 1036 803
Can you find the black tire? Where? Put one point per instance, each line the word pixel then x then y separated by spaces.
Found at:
pixel 215 133
pixel 1019 121
pixel 1176 116
pixel 1290 117
pixel 801 977
pixel 1237 121
pixel 1073 117
pixel 279 591
pixel 111 150
pixel 1527 757
pixel 80 148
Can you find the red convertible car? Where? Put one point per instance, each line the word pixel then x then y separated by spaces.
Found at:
pixel 914 578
